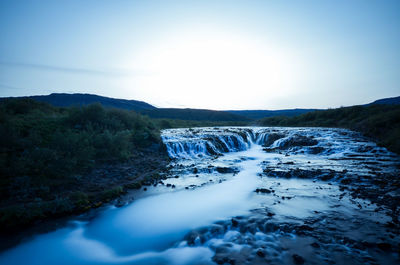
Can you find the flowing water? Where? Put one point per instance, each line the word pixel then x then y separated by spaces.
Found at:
pixel 243 196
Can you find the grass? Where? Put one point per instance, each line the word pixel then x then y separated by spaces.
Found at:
pixel 46 153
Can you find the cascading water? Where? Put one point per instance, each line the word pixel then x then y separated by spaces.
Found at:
pixel 190 143
pixel 233 196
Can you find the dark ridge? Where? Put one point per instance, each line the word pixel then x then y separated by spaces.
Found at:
pixel 386 101
pixel 193 114
pixel 66 100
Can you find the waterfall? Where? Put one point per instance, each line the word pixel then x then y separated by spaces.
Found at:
pixel 201 142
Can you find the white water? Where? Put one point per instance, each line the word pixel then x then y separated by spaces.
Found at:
pixel 145 231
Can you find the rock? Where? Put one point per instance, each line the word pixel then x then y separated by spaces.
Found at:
pixel 225 170
pixel 191 238
pixel 260 252
pixel 315 245
pixel 298 140
pixel 235 222
pixel 297 259
pixel 316 150
pixel 262 190
pixel 272 138
pixel 384 246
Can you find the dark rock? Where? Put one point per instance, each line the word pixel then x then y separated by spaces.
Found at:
pixel 272 138
pixel 270 214
pixel 298 140
pixel 298 259
pixel 345 181
pixel 235 222
pixel 384 246
pixel 262 190
pixel 260 253
pixel 316 150
pixel 315 245
pixel 191 238
pixel 225 170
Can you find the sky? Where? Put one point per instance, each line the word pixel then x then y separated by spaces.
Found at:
pixel 204 54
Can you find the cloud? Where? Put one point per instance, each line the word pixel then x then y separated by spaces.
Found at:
pixel 75 70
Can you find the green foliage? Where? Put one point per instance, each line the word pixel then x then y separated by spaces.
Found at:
pixel 44 148
pixel 173 123
pixel 381 122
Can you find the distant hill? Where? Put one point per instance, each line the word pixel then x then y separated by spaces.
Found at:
pixel 259 114
pixel 386 101
pixel 193 114
pixel 66 100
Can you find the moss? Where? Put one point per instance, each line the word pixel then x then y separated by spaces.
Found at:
pixel 111 193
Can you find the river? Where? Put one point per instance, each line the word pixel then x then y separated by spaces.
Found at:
pixel 242 195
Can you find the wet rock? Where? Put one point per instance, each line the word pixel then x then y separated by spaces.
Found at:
pixel 306 228
pixel 192 237
pixel 297 259
pixel 384 246
pixel 270 227
pixel 272 138
pixel 316 150
pixel 346 181
pixel 262 190
pixel 225 170
pixel 235 222
pixel 223 259
pixel 261 253
pixel 315 245
pixel 298 140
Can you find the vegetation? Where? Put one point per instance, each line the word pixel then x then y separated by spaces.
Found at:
pixel 380 122
pixel 194 115
pixel 68 100
pixel 173 123
pixel 46 151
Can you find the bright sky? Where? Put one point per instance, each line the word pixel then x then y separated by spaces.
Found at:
pixel 204 54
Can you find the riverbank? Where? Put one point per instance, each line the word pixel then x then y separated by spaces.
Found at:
pixel 58 162
pixel 379 122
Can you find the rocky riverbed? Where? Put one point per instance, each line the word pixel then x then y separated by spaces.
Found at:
pixel 245 196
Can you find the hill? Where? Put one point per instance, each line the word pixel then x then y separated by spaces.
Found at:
pixel 258 114
pixel 66 100
pixel 387 101
pixel 193 114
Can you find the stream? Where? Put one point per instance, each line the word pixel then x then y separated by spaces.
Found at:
pixel 245 195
